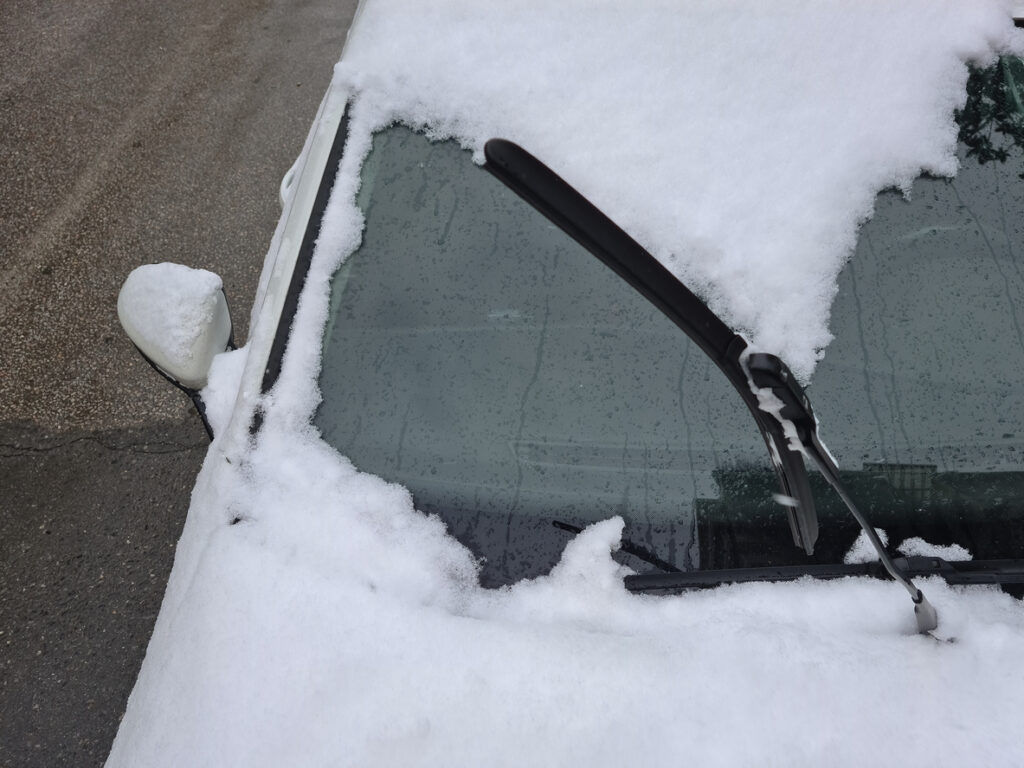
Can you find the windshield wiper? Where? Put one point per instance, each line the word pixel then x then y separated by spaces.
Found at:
pixel 778 404
pixel 964 571
pixel 542 188
pixel 956 572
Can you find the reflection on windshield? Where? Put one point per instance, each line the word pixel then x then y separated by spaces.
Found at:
pixel 992 121
pixel 920 394
pixel 981 511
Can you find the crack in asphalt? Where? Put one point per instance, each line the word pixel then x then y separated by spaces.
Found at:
pixel 138 448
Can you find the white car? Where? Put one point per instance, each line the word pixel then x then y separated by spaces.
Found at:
pixel 483 448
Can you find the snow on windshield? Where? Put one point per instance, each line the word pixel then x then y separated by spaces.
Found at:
pixel 741 142
pixel 315 618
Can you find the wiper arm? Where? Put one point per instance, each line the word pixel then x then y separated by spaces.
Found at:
pixel 781 397
pixel 580 219
pixel 960 572
pixel 628 547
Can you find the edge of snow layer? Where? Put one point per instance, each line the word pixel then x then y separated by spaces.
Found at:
pixel 740 142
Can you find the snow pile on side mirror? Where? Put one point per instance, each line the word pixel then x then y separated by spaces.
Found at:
pixel 177 317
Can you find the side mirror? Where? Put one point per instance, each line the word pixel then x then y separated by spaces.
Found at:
pixel 178 318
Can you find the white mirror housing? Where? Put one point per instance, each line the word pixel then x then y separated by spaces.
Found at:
pixel 177 317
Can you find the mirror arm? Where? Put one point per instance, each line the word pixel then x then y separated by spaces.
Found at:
pixel 193 394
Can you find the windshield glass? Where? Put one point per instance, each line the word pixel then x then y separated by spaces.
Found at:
pixel 478 355
pixel 483 359
pixel 920 396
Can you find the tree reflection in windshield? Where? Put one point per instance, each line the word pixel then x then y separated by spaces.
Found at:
pixel 992 121
pixel 980 511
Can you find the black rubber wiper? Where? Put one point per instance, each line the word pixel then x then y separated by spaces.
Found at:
pixel 628 547
pixel 956 572
pixel 580 219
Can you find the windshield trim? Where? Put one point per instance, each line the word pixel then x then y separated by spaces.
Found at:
pixel 303 261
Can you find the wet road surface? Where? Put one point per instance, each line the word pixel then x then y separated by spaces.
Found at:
pixel 128 134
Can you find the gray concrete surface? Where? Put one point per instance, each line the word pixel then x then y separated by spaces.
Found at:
pixel 129 133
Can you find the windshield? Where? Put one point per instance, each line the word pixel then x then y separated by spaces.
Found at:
pixel 520 390
pixel 920 395
pixel 482 358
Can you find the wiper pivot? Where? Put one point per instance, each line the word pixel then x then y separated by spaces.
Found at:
pixel 782 397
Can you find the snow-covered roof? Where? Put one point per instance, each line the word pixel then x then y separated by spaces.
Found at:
pixel 315 618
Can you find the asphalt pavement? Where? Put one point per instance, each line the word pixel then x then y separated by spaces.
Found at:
pixel 129 133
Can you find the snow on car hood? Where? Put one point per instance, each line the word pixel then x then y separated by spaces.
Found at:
pixel 313 617
pixel 333 625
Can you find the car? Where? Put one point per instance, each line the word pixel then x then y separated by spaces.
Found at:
pixel 469 395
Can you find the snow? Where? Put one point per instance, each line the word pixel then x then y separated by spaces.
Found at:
pixel 314 617
pixel 220 391
pixel 334 625
pixel 918 546
pixel 740 142
pixel 171 303
pixel 862 551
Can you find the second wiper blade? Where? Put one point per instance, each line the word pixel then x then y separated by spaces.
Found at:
pixel 963 572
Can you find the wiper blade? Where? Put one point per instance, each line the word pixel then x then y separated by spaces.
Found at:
pixel 580 219
pixel 957 572
pixel 628 547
